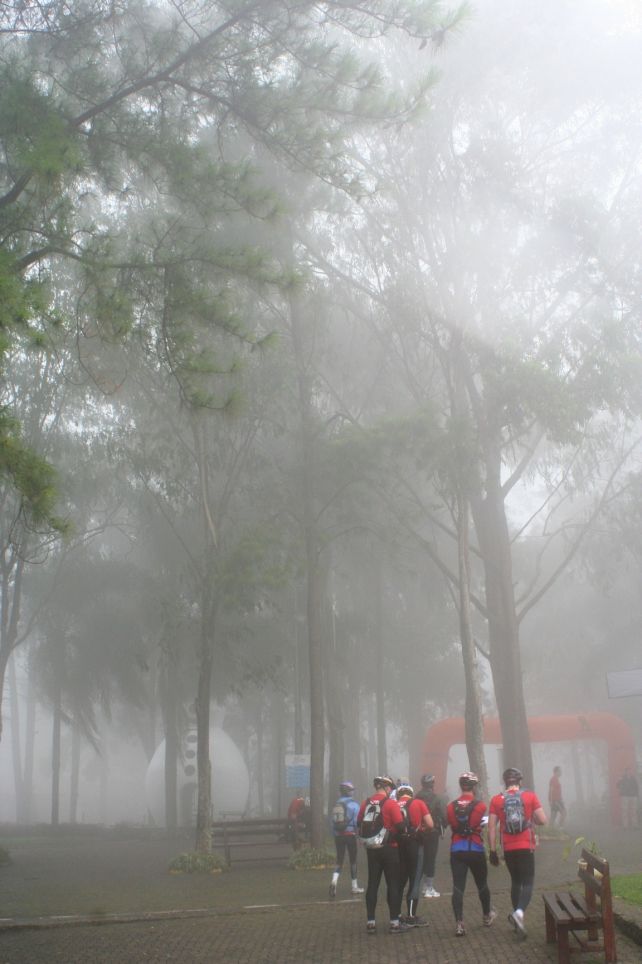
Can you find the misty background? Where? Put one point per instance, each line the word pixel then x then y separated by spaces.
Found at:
pixel 321 387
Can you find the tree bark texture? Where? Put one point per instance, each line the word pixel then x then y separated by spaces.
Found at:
pixel 203 843
pixel 314 596
pixel 491 527
pixel 473 714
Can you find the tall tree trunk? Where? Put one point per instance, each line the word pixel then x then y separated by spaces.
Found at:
pixel 351 698
pixel 312 571
pixel 382 751
pixel 55 754
pixel 203 842
pixel 30 740
pixel 10 597
pixel 260 759
pixel 278 753
pixel 298 679
pixel 334 708
pixel 371 757
pixel 577 774
pixel 491 526
pixel 75 773
pixel 170 721
pixel 473 715
pixel 16 749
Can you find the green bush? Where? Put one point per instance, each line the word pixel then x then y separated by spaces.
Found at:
pixel 310 858
pixel 5 857
pixel 195 863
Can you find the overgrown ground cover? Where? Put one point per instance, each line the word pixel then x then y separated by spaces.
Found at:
pixel 629 888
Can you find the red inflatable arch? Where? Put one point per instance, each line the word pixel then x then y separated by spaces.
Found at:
pixel 617 735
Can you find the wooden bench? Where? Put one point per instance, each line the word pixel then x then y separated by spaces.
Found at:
pixel 255 833
pixel 569 913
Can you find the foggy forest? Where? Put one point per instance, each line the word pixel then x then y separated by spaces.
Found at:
pixel 321 397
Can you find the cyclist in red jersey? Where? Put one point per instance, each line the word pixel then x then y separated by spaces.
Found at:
pixel 384 858
pixel 516 825
pixel 418 822
pixel 465 816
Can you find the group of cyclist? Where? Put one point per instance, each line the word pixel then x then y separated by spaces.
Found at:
pixel 401 829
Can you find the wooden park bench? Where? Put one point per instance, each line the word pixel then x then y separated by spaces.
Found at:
pixel 569 913
pixel 255 833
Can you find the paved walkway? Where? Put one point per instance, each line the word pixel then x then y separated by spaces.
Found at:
pixel 317 933
pixel 290 925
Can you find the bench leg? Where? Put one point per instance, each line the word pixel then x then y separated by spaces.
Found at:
pixel 563 949
pixel 550 925
pixel 610 952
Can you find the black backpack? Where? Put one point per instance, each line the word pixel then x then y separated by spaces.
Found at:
pixel 463 810
pixel 372 831
pixel 339 816
pixel 514 814
pixel 435 807
pixel 407 826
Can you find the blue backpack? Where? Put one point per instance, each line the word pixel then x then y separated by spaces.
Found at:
pixel 514 814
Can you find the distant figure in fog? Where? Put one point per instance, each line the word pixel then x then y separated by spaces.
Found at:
pixel 629 797
pixel 298 819
pixel 555 798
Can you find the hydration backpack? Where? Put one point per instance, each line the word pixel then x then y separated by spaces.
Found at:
pixel 463 810
pixel 372 830
pixel 407 826
pixel 435 807
pixel 514 813
pixel 339 817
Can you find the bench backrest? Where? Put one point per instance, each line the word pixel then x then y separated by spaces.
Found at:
pixel 594 873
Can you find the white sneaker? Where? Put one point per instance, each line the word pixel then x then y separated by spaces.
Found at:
pixel 518 920
pixel 357 890
pixel 431 892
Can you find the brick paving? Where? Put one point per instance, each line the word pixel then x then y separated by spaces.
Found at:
pixel 317 933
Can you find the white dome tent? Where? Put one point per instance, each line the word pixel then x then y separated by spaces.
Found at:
pixel 230 779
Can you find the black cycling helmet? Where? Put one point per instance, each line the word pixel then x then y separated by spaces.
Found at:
pixel 381 782
pixel 468 780
pixel 427 779
pixel 512 775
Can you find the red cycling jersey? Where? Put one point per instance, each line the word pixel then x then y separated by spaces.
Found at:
pixel 390 811
pixel 474 822
pixel 518 841
pixel 417 810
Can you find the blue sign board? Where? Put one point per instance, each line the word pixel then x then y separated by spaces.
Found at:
pixel 297 776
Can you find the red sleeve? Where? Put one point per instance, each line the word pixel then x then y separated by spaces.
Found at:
pixel 450 815
pixel 417 810
pixel 534 801
pixel 496 806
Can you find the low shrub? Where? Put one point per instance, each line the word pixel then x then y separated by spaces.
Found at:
pixel 195 863
pixel 311 858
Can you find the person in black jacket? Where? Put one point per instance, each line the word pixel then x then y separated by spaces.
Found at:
pixel 431 838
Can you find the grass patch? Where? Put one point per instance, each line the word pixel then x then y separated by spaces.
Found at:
pixel 195 863
pixel 309 858
pixel 628 888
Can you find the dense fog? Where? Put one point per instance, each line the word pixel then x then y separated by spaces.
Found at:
pixel 321 397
